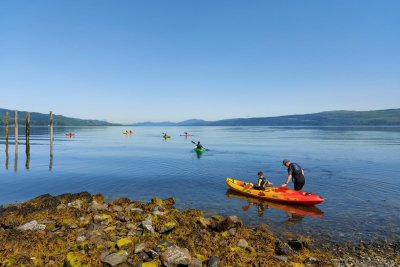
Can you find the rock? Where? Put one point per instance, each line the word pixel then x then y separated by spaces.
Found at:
pixel 99 198
pixel 163 245
pixel 213 262
pixel 152 254
pixel 169 201
pixel 80 239
pixel 157 201
pixel 297 244
pixel 166 227
pixel 77 204
pixel 137 211
pixel 205 223
pixel 147 224
pixel 195 262
pixel 61 206
pixel 143 256
pixel 103 218
pixel 117 208
pixel 311 260
pixel 159 211
pixel 243 243
pixel 32 225
pixel 232 231
pixel 113 259
pixel 282 248
pixel 74 259
pixel 228 223
pixel 98 207
pixel 140 247
pixel 135 233
pixel 281 258
pixel 174 257
pixel 123 242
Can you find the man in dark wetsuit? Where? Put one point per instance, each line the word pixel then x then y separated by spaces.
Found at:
pixel 295 172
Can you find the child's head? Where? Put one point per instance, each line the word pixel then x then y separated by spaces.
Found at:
pixel 260 174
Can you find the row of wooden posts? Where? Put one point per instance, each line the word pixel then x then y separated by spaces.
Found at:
pixel 27 136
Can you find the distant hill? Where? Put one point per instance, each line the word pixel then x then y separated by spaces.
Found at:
pixel 40 119
pixel 327 118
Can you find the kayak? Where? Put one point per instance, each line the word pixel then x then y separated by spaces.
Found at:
pixel 199 150
pixel 70 134
pixel 300 210
pixel 168 136
pixel 128 133
pixel 186 134
pixel 281 194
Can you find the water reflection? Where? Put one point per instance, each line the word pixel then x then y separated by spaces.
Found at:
pixel 28 154
pixel 295 212
pixel 16 158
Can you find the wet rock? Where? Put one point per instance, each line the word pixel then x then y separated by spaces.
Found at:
pixel 140 247
pixel 282 248
pixel 113 259
pixel 175 257
pixel 32 225
pixel 195 262
pixel 228 223
pixel 243 243
pixel 297 244
pixel 213 262
pixel 148 225
pixel 281 258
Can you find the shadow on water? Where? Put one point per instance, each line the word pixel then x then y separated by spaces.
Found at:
pixel 295 212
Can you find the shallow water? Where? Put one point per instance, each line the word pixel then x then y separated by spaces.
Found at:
pixel 354 168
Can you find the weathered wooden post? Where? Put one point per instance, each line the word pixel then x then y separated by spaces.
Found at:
pixel 27 136
pixel 51 141
pixel 16 141
pixel 6 140
pixel 16 130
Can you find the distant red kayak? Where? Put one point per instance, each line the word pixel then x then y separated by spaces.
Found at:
pixel 69 134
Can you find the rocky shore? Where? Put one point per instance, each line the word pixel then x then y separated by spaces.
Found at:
pixel 84 230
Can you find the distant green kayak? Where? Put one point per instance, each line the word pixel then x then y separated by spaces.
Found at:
pixel 199 150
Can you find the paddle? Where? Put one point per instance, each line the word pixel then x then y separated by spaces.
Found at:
pixel 203 146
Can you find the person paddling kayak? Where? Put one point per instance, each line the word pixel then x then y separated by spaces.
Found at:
pixel 198 145
pixel 295 172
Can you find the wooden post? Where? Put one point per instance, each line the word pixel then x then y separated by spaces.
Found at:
pixel 16 130
pixel 51 141
pixel 16 141
pixel 27 143
pixel 6 140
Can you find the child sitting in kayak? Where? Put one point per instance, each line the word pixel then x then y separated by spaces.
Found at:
pixel 262 182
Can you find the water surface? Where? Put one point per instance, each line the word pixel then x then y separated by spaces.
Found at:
pixel 354 168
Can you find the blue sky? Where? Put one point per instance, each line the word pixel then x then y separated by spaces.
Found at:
pixel 130 61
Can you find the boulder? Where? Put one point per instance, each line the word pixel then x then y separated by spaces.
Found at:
pixel 228 223
pixel 114 259
pixel 213 262
pixel 243 243
pixel 77 204
pixel 195 262
pixel 148 225
pixel 32 225
pixel 98 207
pixel 174 257
pixel 282 248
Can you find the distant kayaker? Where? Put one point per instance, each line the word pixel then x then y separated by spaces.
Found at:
pixel 165 135
pixel 198 145
pixel 295 172
pixel 262 182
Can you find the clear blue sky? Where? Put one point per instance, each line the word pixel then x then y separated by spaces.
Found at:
pixel 130 61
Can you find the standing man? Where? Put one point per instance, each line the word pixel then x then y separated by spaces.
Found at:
pixel 295 172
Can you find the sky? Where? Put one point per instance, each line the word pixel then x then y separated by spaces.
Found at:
pixel 133 61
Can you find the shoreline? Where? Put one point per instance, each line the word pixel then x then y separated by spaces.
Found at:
pixel 85 230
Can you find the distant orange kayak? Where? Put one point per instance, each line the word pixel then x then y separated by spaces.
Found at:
pixel 281 194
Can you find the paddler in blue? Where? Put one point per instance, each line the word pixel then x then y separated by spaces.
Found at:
pixel 295 172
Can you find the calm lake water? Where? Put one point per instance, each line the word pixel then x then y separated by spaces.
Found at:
pixel 356 169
